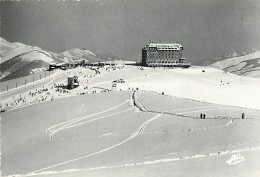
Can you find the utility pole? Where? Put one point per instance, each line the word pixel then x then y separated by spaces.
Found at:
pixel 7 88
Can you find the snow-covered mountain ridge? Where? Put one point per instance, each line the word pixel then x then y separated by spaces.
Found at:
pixel 18 60
pixel 246 65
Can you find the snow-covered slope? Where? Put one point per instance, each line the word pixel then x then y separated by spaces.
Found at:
pixel 77 54
pixel 11 50
pixel 247 65
pixel 35 55
pixel 19 60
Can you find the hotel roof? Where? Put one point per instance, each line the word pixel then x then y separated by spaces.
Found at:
pixel 166 46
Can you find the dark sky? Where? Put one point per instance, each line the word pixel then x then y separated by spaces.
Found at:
pixel 206 28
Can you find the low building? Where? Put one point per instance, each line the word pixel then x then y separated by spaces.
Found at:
pixel 53 66
pixel 163 55
pixel 72 82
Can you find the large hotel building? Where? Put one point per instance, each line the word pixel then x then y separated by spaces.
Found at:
pixel 163 55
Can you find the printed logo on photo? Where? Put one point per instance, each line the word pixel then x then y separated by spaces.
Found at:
pixel 235 159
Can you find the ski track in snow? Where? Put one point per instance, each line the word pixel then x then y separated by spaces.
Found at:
pixel 152 162
pixel 101 151
pixel 76 122
pixel 190 110
pixel 69 123
pixel 162 131
pixel 230 122
pixel 150 132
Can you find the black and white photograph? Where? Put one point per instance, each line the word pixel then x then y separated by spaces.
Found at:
pixel 130 88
